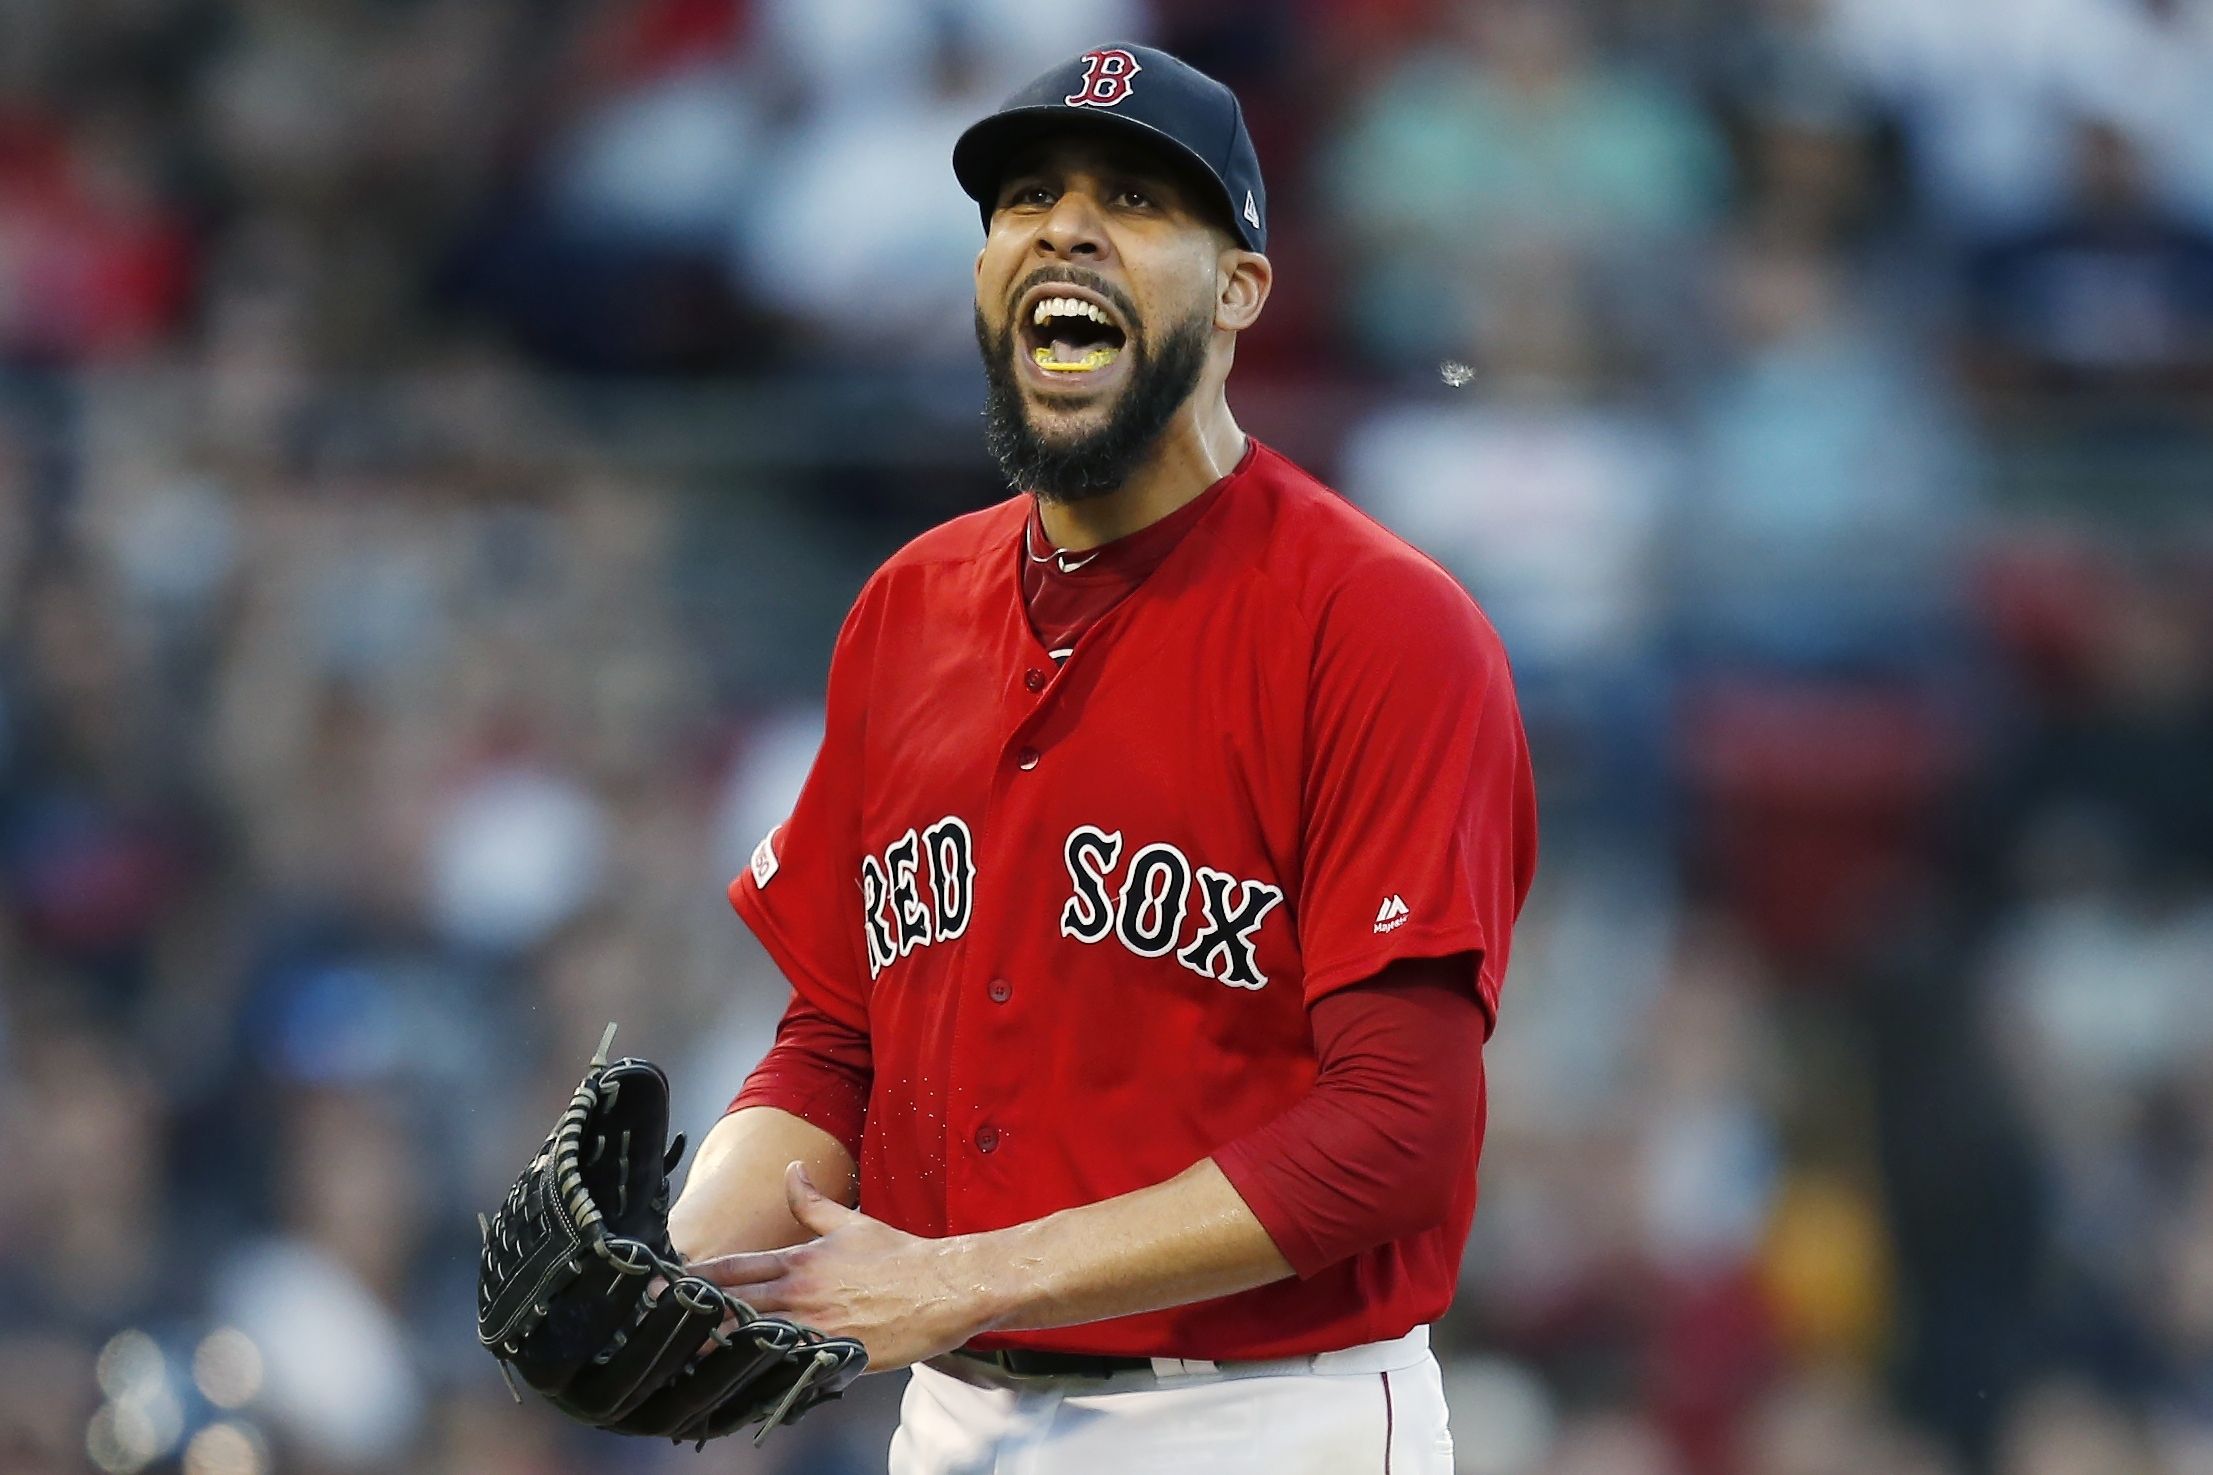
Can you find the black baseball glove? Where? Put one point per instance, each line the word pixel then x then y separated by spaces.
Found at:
pixel 580 1291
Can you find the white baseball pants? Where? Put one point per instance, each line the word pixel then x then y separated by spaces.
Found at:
pixel 1377 1409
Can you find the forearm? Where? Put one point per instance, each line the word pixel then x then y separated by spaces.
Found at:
pixel 1191 1238
pixel 734 1199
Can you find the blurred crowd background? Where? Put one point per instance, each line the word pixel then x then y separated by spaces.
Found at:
pixel 439 437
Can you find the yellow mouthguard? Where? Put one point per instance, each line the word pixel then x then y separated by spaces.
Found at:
pixel 1098 358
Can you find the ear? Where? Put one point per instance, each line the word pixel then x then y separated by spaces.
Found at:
pixel 1244 278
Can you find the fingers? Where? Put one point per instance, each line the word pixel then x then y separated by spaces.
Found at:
pixel 772 1298
pixel 809 1205
pixel 740 1270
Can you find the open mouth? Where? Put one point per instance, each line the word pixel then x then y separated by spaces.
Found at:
pixel 1068 336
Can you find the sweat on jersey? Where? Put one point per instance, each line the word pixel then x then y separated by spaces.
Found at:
pixel 1080 908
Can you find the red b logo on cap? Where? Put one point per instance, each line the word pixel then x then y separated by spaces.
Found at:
pixel 1106 79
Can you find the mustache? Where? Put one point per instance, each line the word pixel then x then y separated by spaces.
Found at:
pixel 1076 276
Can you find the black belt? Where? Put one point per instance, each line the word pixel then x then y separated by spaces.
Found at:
pixel 1023 1362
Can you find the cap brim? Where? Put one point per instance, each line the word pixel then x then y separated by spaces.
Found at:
pixel 980 155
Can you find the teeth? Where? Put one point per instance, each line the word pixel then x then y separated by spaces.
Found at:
pixel 1067 307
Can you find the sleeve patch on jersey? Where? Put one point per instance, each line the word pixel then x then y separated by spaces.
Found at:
pixel 764 860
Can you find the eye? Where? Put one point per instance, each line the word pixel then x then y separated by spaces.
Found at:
pixel 1024 195
pixel 1133 198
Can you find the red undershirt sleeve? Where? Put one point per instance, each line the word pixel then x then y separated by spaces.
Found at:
pixel 819 1070
pixel 1374 1151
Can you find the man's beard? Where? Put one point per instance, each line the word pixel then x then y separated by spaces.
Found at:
pixel 1088 464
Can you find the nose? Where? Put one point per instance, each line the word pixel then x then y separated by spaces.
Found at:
pixel 1074 229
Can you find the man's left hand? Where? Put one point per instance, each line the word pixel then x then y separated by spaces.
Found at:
pixel 905 1298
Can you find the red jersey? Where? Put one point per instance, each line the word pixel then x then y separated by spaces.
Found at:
pixel 1080 908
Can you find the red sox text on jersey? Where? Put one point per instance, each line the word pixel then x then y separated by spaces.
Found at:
pixel 903 909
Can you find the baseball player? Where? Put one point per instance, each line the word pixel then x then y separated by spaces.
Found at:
pixel 1147 906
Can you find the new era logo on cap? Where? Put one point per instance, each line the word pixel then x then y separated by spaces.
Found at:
pixel 1252 211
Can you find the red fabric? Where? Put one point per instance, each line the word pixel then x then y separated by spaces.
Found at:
pixel 1096 899
pixel 1068 593
pixel 818 1070
pixel 1356 1163
pixel 1386 1143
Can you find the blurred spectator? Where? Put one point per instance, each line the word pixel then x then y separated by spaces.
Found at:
pixel 82 1227
pixel 2110 295
pixel 661 163
pixel 1831 474
pixel 517 853
pixel 1542 487
pixel 855 231
pixel 323 1301
pixel 1987 90
pixel 1513 135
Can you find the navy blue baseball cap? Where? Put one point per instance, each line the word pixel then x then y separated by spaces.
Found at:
pixel 1139 91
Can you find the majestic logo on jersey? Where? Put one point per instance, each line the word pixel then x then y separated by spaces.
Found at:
pixel 1106 79
pixel 1158 892
pixel 920 892
pixel 1392 914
